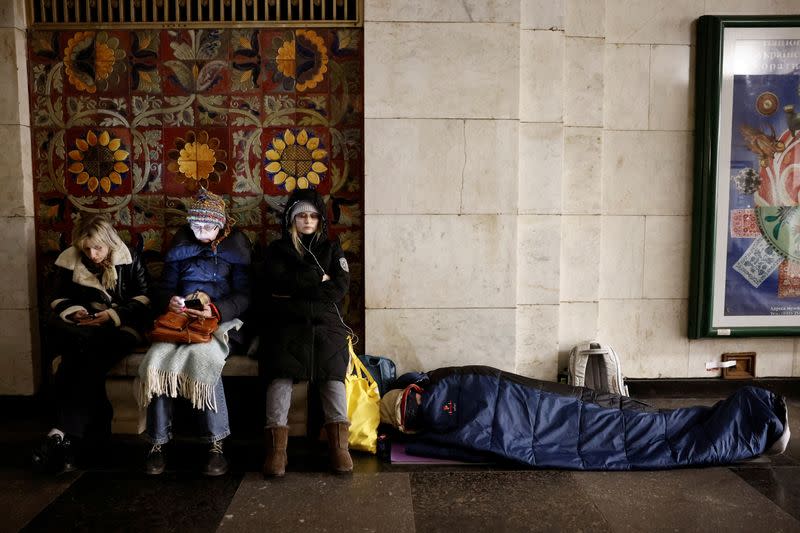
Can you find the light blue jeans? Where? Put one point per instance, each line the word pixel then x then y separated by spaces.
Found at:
pixel 279 398
pixel 211 426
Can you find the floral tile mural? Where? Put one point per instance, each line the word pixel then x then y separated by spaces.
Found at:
pixel 132 122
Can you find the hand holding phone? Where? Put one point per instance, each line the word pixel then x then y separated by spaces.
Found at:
pixel 176 304
pixel 194 303
pixel 83 315
pixel 94 319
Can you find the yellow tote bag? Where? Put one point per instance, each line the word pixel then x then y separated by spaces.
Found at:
pixel 363 405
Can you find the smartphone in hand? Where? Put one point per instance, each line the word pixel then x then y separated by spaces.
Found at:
pixel 194 303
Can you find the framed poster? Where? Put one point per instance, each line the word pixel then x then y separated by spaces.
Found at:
pixel 746 213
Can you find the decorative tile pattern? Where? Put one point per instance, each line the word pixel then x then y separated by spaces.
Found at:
pixel 132 123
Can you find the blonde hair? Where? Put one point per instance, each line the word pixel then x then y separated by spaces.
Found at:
pixel 298 245
pixel 97 229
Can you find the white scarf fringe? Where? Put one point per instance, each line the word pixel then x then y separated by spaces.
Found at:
pixel 173 384
pixel 190 371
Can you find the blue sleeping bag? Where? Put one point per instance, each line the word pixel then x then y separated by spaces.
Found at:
pixel 552 425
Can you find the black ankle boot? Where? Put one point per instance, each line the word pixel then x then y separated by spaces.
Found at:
pixel 155 463
pixel 216 465
pixel 55 454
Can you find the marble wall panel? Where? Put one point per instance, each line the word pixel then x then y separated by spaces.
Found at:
pixel 15 174
pixel 648 335
pixel 442 11
pixel 440 261
pixel 585 18
pixel 671 88
pixel 23 101
pixel 414 165
pixel 652 21
pixel 441 166
pixel 13 78
pixel 647 172
pixel 490 175
pixel 583 81
pixel 541 161
pixel 667 253
pixel 774 356
pixel 541 76
pixel 538 259
pixel 626 83
pixel 622 257
pixel 441 70
pixel 796 365
pixel 542 14
pixel 537 341
pixel 580 243
pixel 577 324
pixel 583 158
pixel 17 263
pixel 18 373
pixel 12 14
pixel 424 339
pixel 751 7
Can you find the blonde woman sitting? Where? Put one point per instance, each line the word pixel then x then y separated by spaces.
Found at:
pixel 100 311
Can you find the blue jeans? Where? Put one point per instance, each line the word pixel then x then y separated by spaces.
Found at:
pixel 211 426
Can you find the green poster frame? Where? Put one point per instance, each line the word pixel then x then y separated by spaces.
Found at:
pixel 708 90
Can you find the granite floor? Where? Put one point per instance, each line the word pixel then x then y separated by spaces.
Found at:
pixel 112 495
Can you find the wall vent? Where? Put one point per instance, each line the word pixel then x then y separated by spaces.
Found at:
pixel 60 14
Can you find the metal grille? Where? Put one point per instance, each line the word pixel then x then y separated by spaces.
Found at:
pixel 53 14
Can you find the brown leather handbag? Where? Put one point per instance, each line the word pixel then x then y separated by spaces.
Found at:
pixel 183 329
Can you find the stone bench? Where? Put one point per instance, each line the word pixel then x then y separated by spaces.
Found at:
pixel 129 418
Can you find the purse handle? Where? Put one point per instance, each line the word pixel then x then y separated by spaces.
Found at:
pixel 355 366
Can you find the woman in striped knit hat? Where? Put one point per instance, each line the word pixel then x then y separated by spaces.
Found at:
pixel 209 261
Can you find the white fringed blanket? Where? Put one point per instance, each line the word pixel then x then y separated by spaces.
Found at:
pixel 186 370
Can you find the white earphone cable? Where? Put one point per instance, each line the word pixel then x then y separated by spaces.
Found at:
pixel 336 307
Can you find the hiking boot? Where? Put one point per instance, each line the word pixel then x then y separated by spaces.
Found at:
pixel 275 439
pixel 338 433
pixel 154 463
pixel 55 454
pixel 216 465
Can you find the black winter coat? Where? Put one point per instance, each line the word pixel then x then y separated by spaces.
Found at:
pixel 222 273
pixel 78 288
pixel 303 337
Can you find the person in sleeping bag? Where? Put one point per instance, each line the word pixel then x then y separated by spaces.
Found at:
pixel 100 311
pixel 304 337
pixel 552 425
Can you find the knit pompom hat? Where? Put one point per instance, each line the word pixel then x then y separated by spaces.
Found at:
pixel 207 208
pixel 302 207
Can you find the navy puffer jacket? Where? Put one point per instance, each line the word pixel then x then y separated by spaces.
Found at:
pixel 222 273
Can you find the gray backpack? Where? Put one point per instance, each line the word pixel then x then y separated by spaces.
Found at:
pixel 597 367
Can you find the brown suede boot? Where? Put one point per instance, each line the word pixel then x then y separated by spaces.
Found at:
pixel 275 462
pixel 338 433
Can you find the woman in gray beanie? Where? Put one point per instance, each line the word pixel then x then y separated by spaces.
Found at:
pixel 305 338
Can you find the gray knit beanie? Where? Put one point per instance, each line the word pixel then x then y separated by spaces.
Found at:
pixel 302 207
